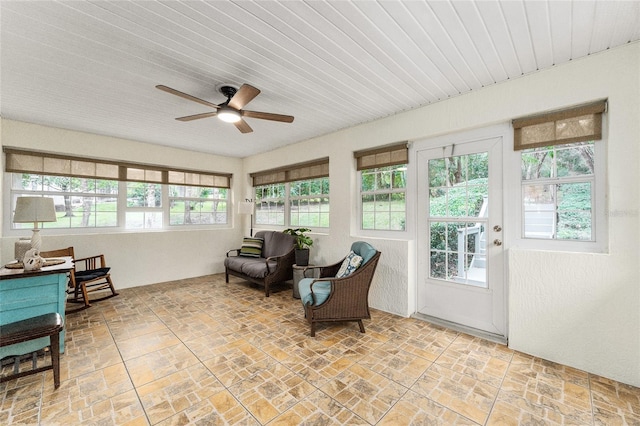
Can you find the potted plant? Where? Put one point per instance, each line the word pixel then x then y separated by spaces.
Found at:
pixel 303 242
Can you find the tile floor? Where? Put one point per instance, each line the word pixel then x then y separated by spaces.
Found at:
pixel 199 351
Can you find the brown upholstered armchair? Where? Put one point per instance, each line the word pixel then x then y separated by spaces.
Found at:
pixel 264 259
pixel 346 298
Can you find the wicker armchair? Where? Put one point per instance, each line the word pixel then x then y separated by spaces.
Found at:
pixel 328 298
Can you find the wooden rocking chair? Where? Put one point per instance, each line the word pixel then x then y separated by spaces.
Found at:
pixel 89 274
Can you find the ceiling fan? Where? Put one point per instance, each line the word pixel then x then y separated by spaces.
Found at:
pixel 231 110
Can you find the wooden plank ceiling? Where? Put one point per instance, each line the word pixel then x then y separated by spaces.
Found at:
pixel 93 66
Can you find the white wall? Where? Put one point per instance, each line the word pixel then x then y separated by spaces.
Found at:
pixel 136 258
pixel 582 310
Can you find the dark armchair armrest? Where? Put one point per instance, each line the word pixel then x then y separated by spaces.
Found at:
pixel 280 261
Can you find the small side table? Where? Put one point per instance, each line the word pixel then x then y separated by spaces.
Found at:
pixel 299 273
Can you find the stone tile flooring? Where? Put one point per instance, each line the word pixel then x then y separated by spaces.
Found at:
pixel 199 351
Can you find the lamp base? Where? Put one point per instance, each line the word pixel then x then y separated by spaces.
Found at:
pixel 36 240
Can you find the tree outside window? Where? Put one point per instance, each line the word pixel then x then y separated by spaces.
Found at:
pixel 79 202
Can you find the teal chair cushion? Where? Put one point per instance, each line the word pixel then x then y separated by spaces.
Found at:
pixel 321 290
pixel 364 250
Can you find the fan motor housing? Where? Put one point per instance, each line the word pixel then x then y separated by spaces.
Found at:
pixel 227 90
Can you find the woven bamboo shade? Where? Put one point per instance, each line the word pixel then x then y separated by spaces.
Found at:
pixel 390 155
pixel 582 123
pixel 302 171
pixel 19 161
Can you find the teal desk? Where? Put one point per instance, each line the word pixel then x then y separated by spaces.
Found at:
pixel 28 294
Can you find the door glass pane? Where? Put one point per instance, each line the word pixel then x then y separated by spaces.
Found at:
pixel 437 173
pixel 478 166
pixel 458 200
pixel 438 267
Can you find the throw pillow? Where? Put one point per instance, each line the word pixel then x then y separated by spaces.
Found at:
pixel 349 265
pixel 251 247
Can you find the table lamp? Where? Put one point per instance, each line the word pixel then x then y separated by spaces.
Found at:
pixel 36 210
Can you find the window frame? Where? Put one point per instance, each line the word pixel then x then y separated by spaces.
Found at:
pixel 599 202
pixel 553 182
pixel 122 209
pixel 287 204
pixel 389 191
pixel 186 199
pixel 144 209
pixel 13 194
pixel 323 196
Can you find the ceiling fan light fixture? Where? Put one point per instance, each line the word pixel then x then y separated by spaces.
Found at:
pixel 229 115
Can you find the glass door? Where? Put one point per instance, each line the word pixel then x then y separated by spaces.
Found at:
pixel 461 276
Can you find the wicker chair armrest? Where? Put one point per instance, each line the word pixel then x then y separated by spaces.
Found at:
pixel 330 270
pixel 313 295
pixel 350 285
pixel 309 267
pixel 284 258
pixel 232 250
pixel 271 258
pixel 281 260
pixel 325 270
pixel 329 279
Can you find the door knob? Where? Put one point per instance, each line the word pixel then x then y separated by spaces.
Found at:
pixel 497 228
pixel 497 242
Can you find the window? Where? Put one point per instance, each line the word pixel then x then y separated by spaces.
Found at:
pixel 144 206
pixel 558 184
pixel 192 205
pixel 562 178
pixel 301 203
pixel 383 198
pixel 309 203
pixel 93 203
pixel 270 202
pixel 296 195
pixel 383 187
pixel 93 193
pixel 79 202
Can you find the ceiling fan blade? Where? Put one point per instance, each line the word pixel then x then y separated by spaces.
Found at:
pixel 268 116
pixel 243 126
pixel 185 96
pixel 243 96
pixel 197 116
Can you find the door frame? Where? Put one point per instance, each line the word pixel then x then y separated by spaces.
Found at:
pixel 505 132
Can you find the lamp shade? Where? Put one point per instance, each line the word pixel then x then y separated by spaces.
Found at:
pixel 34 210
